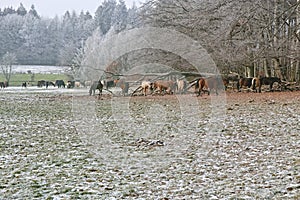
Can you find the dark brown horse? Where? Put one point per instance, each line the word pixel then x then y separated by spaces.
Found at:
pixel 41 83
pixel 3 84
pixel 244 82
pixel 108 83
pixel 24 85
pixel 269 81
pixel 96 85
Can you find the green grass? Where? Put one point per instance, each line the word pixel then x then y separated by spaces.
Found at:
pixel 18 78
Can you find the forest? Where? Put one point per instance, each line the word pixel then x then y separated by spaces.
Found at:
pixel 253 37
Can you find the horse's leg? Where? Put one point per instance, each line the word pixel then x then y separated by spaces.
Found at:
pixel 199 92
pixel 208 91
pixel 271 86
pixel 259 88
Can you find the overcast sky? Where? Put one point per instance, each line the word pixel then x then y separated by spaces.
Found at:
pixel 50 8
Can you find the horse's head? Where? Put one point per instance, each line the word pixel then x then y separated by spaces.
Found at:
pixel 278 80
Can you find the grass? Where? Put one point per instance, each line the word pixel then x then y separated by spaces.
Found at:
pixel 18 78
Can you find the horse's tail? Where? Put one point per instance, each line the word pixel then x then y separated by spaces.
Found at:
pixel 238 85
pixel 197 85
pixel 254 82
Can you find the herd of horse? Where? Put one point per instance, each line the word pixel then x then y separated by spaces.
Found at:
pixel 256 83
pixel 201 85
pixel 57 83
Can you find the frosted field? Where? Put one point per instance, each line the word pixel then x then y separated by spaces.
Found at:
pixel 63 144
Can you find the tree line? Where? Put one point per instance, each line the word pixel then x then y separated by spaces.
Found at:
pixel 54 41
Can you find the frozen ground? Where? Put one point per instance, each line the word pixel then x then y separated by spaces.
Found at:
pixel 63 144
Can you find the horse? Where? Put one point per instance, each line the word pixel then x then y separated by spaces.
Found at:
pixel 146 85
pixel 269 81
pixel 41 83
pixel 48 83
pixel 87 83
pixel 24 84
pixel 164 86
pixel 200 85
pixel 96 85
pixel 3 84
pixel 244 82
pixel 208 84
pixel 70 84
pixel 60 83
pixel 77 84
pixel 225 82
pixel 256 84
pixel 216 83
pixel 110 83
pixel 181 86
pixel 123 85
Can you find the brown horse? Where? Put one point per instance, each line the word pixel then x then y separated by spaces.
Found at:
pixel 244 82
pixel 201 86
pixel 123 85
pixel 164 87
pixel 208 84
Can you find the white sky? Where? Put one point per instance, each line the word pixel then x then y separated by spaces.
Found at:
pixel 50 8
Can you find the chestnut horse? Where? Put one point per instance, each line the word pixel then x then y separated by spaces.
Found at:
pixel 123 85
pixel 164 87
pixel 200 85
pixel 208 84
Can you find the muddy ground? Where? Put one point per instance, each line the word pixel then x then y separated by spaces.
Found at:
pixel 63 144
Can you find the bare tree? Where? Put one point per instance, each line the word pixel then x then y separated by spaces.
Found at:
pixel 255 37
pixel 6 65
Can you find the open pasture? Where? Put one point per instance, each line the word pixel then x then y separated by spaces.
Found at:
pixel 64 144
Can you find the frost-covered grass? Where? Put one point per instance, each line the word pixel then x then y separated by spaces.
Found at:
pixel 55 146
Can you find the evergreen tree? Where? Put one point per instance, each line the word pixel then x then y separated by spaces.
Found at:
pixel 119 19
pixel 33 12
pixel 9 11
pixel 21 10
pixel 104 15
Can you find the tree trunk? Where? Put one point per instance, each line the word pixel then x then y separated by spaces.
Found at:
pixel 297 62
pixel 277 70
pixel 276 63
pixel 265 65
